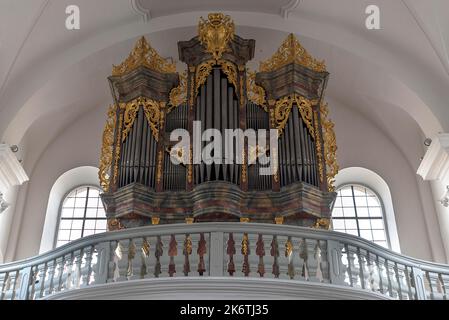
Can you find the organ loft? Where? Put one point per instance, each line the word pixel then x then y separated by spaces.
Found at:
pixel 285 98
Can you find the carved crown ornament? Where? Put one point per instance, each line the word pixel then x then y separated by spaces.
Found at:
pixel 290 51
pixel 144 55
pixel 215 33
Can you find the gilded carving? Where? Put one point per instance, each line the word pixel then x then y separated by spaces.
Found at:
pixel 215 33
pixel 229 70
pixel 322 223
pixel 288 247
pixel 180 154
pixel 290 51
pixel 145 247
pixel 284 106
pixel 202 72
pixel 144 55
pixel 107 149
pixel 178 95
pixel 118 147
pixel 279 220
pixel 255 93
pixel 192 87
pixel 160 158
pixel 244 166
pixel 255 152
pixel 188 245
pixel 190 167
pixel 330 147
pixel 319 150
pixel 114 224
pixel 245 244
pixel 204 69
pixel 153 114
pixel 155 220
pixel 242 93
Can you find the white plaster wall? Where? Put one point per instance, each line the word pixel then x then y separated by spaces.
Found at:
pixel 77 145
pixel 439 189
pixel 360 142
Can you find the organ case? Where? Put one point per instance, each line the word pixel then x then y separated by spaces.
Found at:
pixel 143 186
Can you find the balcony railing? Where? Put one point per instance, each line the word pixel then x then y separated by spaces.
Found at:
pixel 224 250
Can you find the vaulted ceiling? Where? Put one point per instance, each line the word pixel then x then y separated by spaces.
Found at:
pixel 397 76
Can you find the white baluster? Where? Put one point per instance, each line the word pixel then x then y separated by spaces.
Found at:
pixel 409 282
pixel 78 261
pixel 51 275
pixel 444 278
pixel 87 269
pixel 371 280
pixel 42 278
pixel 16 284
pixel 3 281
pixel 352 270
pixel 69 269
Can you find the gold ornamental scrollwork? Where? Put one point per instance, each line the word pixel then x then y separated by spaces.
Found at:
pixel 190 166
pixel 319 149
pixel 144 55
pixel 180 154
pixel 255 93
pixel 215 33
pixel 114 224
pixel 178 95
pixel 160 158
pixel 118 146
pixel 107 149
pixel 284 106
pixel 153 114
pixel 330 147
pixel 205 68
pixel 322 223
pixel 229 70
pixel 202 72
pixel 290 51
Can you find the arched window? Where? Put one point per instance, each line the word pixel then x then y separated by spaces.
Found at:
pixel 359 211
pixel 82 214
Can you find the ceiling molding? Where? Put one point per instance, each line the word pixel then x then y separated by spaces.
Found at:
pixel 139 9
pixel 11 171
pixel 288 8
pixel 435 165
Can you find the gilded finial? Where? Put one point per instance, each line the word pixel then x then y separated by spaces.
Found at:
pixel 322 223
pixel 279 220
pixel 290 51
pixel 155 220
pixel 144 55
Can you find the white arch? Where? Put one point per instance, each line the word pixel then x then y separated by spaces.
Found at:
pixel 425 107
pixel 358 175
pixel 63 185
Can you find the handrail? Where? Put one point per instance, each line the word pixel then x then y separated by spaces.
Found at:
pixel 361 256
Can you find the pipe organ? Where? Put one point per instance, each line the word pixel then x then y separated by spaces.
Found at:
pixel 233 124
